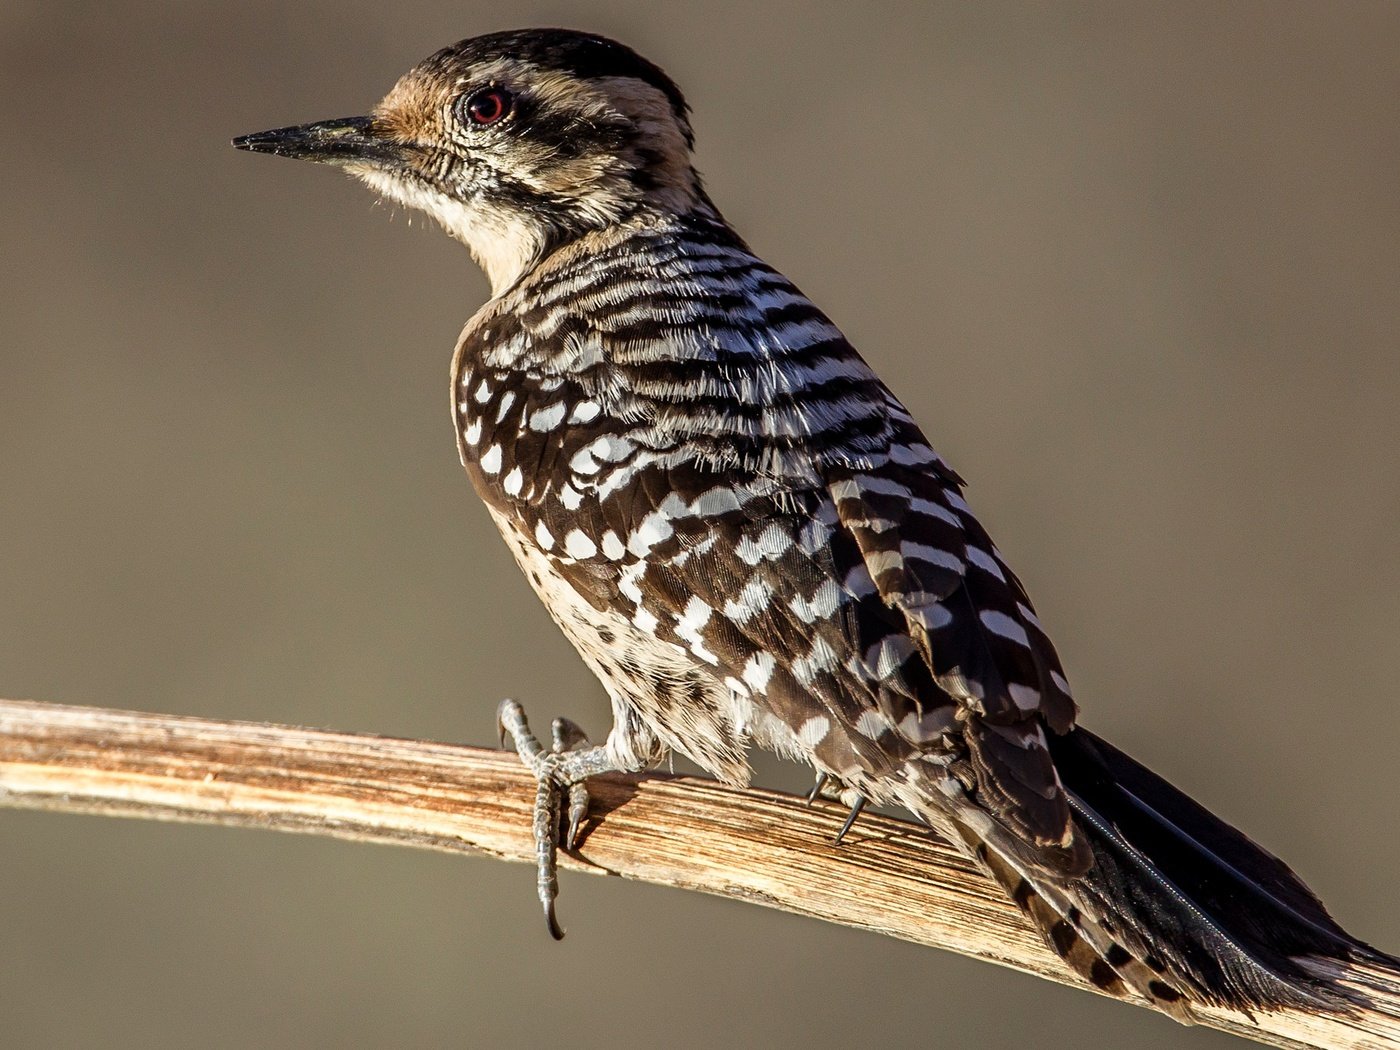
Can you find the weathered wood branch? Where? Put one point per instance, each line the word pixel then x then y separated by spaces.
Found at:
pixel 892 877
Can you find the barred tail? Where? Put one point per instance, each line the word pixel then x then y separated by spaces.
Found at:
pixel 1176 905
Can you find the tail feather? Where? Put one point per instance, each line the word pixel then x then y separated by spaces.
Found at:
pixel 1176 904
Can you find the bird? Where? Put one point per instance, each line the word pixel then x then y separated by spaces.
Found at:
pixel 749 540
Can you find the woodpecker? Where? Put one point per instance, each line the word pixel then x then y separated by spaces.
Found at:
pixel 750 541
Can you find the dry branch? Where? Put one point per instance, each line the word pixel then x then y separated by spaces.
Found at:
pixel 892 877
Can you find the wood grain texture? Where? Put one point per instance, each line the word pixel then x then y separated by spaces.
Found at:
pixel 891 877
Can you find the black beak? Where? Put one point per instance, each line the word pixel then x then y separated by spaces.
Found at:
pixel 349 140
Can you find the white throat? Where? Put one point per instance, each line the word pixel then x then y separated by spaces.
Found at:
pixel 504 244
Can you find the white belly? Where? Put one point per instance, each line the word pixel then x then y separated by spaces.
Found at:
pixel 661 696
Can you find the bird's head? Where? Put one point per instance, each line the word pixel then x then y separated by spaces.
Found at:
pixel 516 143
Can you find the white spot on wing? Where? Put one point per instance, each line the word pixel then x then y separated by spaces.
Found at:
pixel 1000 623
pixel 753 599
pixel 758 671
pixel 823 603
pixel 583 462
pixel 547 418
pixel 886 655
pixel 577 545
pixel 821 657
pixel 654 529
pixel 612 546
pixel 491 461
pixel 718 500
pixel 570 497
pixel 1025 697
pixel 814 730
pixel 932 555
pixel 585 411
pixel 934 510
pixel 871 724
pixel 985 562
pixel 858 581
pixel 883 561
pixel 931 616
pixel 912 455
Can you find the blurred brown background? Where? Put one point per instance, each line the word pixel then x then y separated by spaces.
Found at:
pixel 1136 266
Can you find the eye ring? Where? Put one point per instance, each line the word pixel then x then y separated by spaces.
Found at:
pixel 487 106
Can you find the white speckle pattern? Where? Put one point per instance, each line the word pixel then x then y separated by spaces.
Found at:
pixel 585 412
pixel 985 562
pixel 912 455
pixel 886 655
pixel 934 510
pixel 742 531
pixel 583 462
pixel 820 658
pixel 718 500
pixel 655 528
pixel 752 601
pixel 758 671
pixel 871 724
pixel 577 545
pixel 547 418
pixel 821 605
pixel 814 730
pixel 1026 698
pixel 932 555
pixel 1005 626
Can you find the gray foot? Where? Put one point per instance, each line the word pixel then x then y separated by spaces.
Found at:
pixel 561 771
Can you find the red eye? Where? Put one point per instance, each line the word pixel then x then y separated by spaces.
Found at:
pixel 488 107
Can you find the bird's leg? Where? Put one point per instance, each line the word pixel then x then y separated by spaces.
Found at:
pixel 569 737
pixel 562 769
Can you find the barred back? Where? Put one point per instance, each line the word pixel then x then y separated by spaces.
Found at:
pixel 699 452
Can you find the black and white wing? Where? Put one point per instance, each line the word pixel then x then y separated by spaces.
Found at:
pixel 722 472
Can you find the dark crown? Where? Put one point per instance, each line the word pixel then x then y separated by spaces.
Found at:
pixel 586 56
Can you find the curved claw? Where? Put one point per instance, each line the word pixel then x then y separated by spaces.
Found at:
pixel 578 813
pixel 850 820
pixel 816 791
pixel 568 736
pixel 552 921
pixel 504 710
